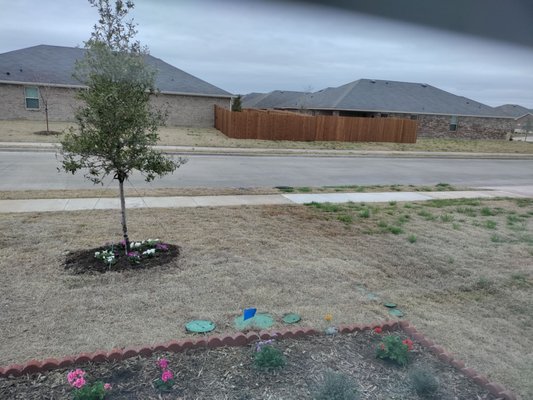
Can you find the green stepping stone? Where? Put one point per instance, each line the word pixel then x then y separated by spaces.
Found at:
pixel 390 305
pixel 200 326
pixel 396 312
pixel 259 321
pixel 291 318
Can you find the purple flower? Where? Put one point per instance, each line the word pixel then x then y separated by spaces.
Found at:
pixel 161 246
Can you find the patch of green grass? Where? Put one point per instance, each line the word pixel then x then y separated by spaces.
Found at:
pixel 347 219
pixel 512 219
pixel 524 202
pixel 285 189
pixel 446 217
pixel 439 203
pixel 382 224
pixel 411 238
pixel 408 205
pixel 365 213
pixel 487 212
pixel 327 207
pixel 485 284
pixel 456 226
pixel 424 189
pixel 520 280
pixel 392 203
pixel 395 230
pixel 490 224
pixel 468 211
pixel 360 189
pixel 403 219
pixel 427 215
pixel 495 238
pixel 304 189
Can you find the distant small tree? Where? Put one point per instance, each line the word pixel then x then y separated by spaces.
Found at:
pixel 236 105
pixel 116 126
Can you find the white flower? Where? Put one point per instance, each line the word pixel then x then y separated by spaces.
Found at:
pixel 96 253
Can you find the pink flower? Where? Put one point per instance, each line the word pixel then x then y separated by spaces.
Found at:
pixel 107 386
pixel 78 383
pixel 409 344
pixel 163 363
pixel 377 329
pixel 166 375
pixel 74 376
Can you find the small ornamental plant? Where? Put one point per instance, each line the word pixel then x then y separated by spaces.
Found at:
pixel 166 381
pixel 138 251
pixel 378 330
pixel 84 390
pixel 267 357
pixel 394 349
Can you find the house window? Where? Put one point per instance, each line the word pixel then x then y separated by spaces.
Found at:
pixel 453 123
pixel 32 98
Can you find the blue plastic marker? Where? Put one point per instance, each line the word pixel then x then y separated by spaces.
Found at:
pixel 249 313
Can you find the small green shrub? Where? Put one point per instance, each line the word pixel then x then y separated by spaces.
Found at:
pixel 395 230
pixel 382 224
pixel 327 207
pixel 347 219
pixel 392 348
pixel 490 224
pixel 304 189
pixel 269 358
pixel 392 203
pixel 496 238
pixel 408 205
pixel 424 382
pixel 285 189
pixel 411 238
pixel 426 215
pixel 446 218
pixel 456 226
pixel 487 212
pixel 336 386
pixel 364 213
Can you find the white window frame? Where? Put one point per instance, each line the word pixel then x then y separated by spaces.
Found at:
pixel 26 98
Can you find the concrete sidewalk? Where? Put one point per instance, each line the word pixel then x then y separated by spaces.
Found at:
pixel 253 151
pixel 46 205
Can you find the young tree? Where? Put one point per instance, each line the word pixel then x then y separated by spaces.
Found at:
pixel 237 104
pixel 116 126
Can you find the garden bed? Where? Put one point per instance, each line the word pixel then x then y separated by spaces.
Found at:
pixel 230 373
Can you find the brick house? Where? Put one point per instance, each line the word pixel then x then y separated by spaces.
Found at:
pixel 33 76
pixel 439 113
pixel 523 117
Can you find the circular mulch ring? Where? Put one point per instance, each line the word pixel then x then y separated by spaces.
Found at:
pixel 84 261
pixel 47 133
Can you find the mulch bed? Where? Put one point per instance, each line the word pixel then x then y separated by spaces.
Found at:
pixel 229 373
pixel 84 261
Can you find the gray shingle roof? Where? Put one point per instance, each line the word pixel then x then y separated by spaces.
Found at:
pixel 55 65
pixel 391 96
pixel 274 99
pixel 513 110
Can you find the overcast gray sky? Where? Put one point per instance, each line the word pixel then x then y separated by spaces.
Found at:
pixel 258 46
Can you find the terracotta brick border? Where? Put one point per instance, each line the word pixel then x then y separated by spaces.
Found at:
pixel 242 339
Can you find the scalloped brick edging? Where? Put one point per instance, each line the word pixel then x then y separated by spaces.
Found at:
pixel 242 339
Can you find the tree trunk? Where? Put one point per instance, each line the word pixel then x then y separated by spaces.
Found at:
pixel 46 114
pixel 123 214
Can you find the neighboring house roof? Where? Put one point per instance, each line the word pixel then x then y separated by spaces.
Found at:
pixel 513 110
pixel 274 99
pixel 54 65
pixel 390 96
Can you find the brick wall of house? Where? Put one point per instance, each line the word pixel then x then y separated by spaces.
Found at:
pixel 190 110
pixel 61 103
pixel 438 126
pixel 182 110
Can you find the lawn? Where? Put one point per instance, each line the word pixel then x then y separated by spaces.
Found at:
pixel 23 131
pixel 459 269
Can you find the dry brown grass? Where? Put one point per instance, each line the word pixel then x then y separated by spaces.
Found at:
pixel 459 285
pixel 23 131
pixel 158 192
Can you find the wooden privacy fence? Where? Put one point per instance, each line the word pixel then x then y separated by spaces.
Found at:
pixel 284 125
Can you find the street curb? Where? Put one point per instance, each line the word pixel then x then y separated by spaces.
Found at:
pixel 266 152
pixel 243 339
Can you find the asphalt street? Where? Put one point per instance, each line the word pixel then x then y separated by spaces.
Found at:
pixel 38 170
